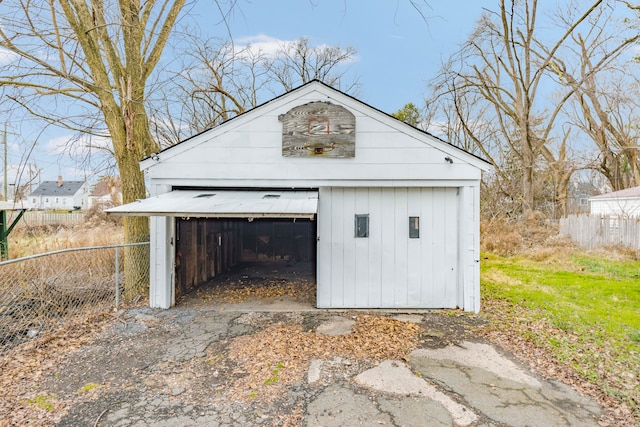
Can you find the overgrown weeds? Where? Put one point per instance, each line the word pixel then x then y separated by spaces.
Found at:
pixel 25 241
pixel 534 235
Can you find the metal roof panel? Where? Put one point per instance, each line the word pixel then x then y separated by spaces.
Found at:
pixel 224 204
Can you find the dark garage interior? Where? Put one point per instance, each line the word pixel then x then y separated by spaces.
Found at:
pixel 211 249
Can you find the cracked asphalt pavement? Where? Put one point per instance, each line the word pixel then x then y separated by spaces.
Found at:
pixel 156 368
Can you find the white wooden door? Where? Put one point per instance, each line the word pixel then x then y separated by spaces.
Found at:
pixel 388 269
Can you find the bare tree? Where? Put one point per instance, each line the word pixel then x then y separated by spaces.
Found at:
pixel 220 80
pixel 499 80
pixel 77 60
pixel 297 63
pixel 606 96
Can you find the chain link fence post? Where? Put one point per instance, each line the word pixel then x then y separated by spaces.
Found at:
pixel 117 279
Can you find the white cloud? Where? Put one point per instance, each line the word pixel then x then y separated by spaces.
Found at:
pixel 12 172
pixel 262 44
pixel 270 46
pixel 6 56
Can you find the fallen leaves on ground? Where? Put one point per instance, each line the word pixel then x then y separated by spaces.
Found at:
pixel 25 368
pixel 270 360
pixel 299 291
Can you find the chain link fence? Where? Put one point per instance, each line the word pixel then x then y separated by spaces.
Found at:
pixel 41 293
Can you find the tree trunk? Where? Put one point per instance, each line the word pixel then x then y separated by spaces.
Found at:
pixel 132 141
pixel 136 229
pixel 138 144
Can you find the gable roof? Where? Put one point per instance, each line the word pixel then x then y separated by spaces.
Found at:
pixel 628 193
pixel 331 92
pixel 51 188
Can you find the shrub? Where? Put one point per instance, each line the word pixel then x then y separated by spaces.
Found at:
pixel 96 215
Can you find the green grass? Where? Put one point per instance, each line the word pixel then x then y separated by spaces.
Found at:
pixel 587 312
pixel 42 402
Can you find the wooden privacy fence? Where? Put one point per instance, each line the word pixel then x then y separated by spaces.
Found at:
pixel 592 231
pixel 37 218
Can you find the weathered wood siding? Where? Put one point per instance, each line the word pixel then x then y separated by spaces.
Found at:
pixel 388 269
pixel 318 129
pixel 205 247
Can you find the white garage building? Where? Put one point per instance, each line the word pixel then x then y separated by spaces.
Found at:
pixel 388 213
pixel 619 204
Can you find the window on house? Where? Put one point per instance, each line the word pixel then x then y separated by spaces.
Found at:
pixel 46 200
pixel 362 225
pixel 414 227
pixel 56 200
pixel 34 200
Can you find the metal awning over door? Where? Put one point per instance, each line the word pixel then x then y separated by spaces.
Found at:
pixel 224 204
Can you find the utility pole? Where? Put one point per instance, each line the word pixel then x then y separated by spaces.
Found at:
pixel 4 139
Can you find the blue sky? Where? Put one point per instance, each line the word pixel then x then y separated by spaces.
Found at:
pixel 399 51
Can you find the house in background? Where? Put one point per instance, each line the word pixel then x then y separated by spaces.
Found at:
pixel 579 195
pixel 106 192
pixel 387 214
pixel 59 195
pixel 619 204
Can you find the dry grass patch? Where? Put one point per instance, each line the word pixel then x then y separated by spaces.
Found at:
pixel 534 236
pixel 27 241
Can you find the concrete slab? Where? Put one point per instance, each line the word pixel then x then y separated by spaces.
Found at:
pixel 394 377
pixel 315 371
pixel 481 356
pixel 411 318
pixel 415 412
pixel 339 406
pixel 337 325
pixel 510 396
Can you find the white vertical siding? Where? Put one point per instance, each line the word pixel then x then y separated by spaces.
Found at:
pixel 388 247
pixel 398 200
pixel 415 266
pixel 388 269
pixel 375 249
pixel 162 241
pixel 361 254
pixel 469 261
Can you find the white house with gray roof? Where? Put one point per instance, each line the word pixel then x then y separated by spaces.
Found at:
pixel 59 195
